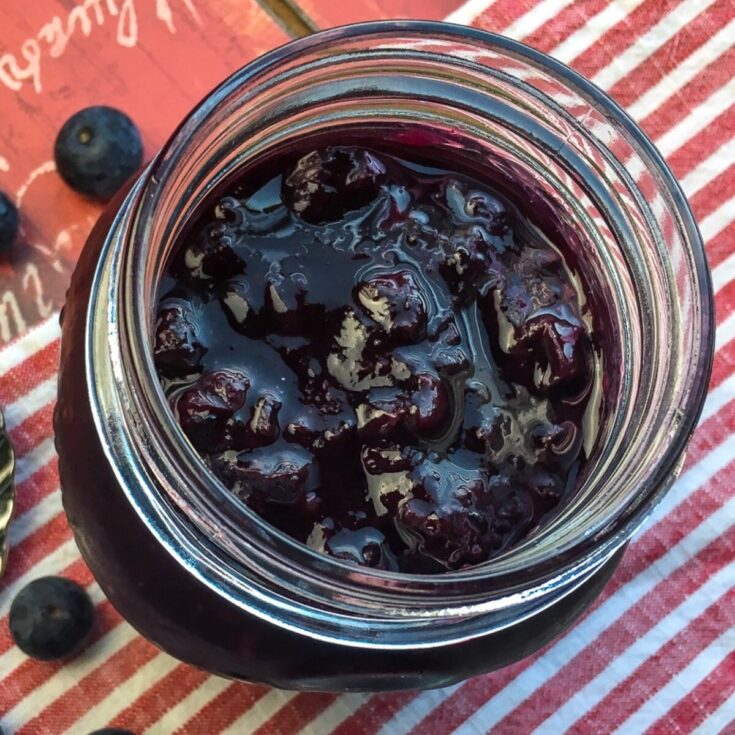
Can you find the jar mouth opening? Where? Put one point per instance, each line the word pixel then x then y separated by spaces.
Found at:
pixel 173 170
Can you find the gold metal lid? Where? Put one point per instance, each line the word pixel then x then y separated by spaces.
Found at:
pixel 7 490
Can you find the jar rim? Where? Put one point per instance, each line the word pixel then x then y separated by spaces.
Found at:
pixel 591 552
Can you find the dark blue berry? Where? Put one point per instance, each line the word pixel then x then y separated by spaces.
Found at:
pixel 9 222
pixel 97 150
pixel 111 731
pixel 50 618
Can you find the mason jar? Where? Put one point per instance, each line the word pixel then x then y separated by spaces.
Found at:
pixel 200 574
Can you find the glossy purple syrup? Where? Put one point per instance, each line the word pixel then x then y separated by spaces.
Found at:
pixel 386 361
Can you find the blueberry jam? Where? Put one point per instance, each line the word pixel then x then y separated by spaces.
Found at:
pixel 387 361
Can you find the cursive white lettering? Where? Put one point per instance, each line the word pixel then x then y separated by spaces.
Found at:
pixel 56 34
pixel 32 278
pixel 127 25
pixel 8 304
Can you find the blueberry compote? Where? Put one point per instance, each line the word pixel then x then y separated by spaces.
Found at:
pixel 387 361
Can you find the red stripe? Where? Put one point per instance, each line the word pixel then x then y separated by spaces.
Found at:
pixel 35 547
pixel 673 53
pixel 29 434
pixel 39 366
pixel 296 714
pixel 460 705
pixel 63 712
pixel 36 487
pixel 713 194
pixel 720 246
pixel 659 669
pixel 564 23
pixel 707 140
pixel 377 710
pixel 159 699
pixel 502 13
pixel 691 710
pixel 221 711
pixel 620 36
pixel 724 363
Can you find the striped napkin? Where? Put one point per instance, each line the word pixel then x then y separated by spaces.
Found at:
pixel 655 654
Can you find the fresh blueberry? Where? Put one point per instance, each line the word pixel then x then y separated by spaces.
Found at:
pixel 9 222
pixel 97 150
pixel 50 618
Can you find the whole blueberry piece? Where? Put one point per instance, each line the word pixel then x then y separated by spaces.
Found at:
pixel 9 222
pixel 50 618
pixel 111 731
pixel 97 150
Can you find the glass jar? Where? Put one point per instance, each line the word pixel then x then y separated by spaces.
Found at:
pixel 201 575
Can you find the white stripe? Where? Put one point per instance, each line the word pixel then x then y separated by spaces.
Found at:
pixel 416 710
pixel 723 273
pixel 595 27
pixel 725 331
pixel 60 558
pixel 466 13
pixel 680 685
pixel 718 398
pixel 14 657
pixel 585 633
pixel 260 712
pixel 122 696
pixel 188 707
pixel 35 339
pixel 39 515
pixel 718 720
pixel 649 42
pixel 330 718
pixel 715 222
pixel 70 675
pixel 709 169
pixel 683 73
pixel 697 119
pixel 31 462
pixel 627 662
pixel 535 18
pixel 33 401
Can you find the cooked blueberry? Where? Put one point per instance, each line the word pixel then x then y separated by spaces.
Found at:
pixel 51 618
pixel 9 222
pixel 325 184
pixel 262 427
pixel 204 409
pixel 365 546
pixel 177 349
pixel 395 302
pixel 429 410
pixel 268 476
pixel 97 150
pixel 211 254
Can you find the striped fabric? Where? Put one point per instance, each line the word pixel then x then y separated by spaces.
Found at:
pixel 656 653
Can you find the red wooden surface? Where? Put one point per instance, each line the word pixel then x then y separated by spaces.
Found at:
pixel 326 14
pixel 151 58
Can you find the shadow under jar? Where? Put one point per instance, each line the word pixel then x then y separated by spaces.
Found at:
pixel 205 578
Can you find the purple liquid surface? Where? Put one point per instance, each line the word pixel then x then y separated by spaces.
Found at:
pixel 386 361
